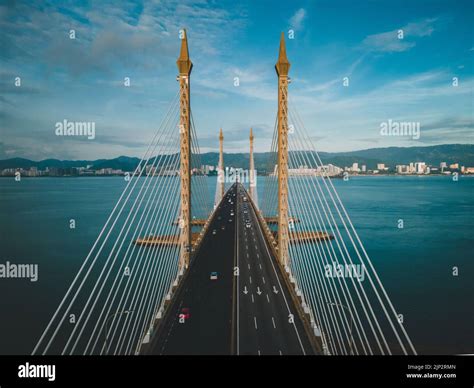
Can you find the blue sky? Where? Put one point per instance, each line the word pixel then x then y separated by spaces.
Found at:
pixel 407 79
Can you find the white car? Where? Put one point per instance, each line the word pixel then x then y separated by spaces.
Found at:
pixel 213 276
pixel 214 231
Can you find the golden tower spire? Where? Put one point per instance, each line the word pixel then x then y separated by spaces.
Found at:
pixel 184 67
pixel 252 168
pixel 220 168
pixel 282 68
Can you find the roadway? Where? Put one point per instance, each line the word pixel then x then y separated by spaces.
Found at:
pixel 268 321
pixel 247 310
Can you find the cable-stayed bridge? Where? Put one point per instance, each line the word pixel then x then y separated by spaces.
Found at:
pixel 178 269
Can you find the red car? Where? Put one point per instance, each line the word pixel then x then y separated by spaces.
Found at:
pixel 185 313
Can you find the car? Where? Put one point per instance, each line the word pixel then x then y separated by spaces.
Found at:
pixel 185 313
pixel 213 276
pixel 230 219
pixel 248 226
pixel 223 227
pixel 214 231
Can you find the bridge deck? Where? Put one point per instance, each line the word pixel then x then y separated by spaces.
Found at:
pixel 245 314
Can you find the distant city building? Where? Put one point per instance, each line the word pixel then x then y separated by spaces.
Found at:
pixel 420 167
pixel 326 170
pixel 402 169
pixel 363 168
pixel 454 166
pixel 330 170
pixel 150 170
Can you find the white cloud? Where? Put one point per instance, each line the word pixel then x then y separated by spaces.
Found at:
pixel 390 42
pixel 296 21
pixel 352 119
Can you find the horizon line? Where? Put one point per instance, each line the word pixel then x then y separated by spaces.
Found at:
pixel 262 152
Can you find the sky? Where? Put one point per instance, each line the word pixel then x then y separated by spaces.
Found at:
pixel 405 78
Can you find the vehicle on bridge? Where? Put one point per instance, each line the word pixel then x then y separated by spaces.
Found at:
pixel 185 313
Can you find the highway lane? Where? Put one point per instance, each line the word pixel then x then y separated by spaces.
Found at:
pixel 248 314
pixel 209 328
pixel 268 320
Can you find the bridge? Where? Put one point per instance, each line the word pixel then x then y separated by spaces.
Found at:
pixel 270 269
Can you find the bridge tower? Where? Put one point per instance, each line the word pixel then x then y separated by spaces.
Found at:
pixel 220 168
pixel 252 169
pixel 282 68
pixel 184 67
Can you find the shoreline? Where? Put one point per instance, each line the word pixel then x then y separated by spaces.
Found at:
pixel 210 176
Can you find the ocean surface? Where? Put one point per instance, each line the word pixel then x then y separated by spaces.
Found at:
pixel 415 263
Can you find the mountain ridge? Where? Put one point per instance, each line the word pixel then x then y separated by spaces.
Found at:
pixel 449 153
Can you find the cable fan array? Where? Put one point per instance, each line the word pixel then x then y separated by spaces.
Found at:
pixel 113 301
pixel 338 284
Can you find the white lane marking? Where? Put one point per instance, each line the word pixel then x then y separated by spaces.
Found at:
pixel 253 300
pixel 238 280
pixel 256 246
pixel 260 265
pixel 273 321
pixel 263 280
pixel 281 288
pixel 248 265
pixel 268 299
pixel 258 256
pixel 281 354
pixel 248 256
pixel 258 352
pixel 255 321
pixel 250 277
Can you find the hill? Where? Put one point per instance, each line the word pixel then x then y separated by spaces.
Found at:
pixel 391 156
